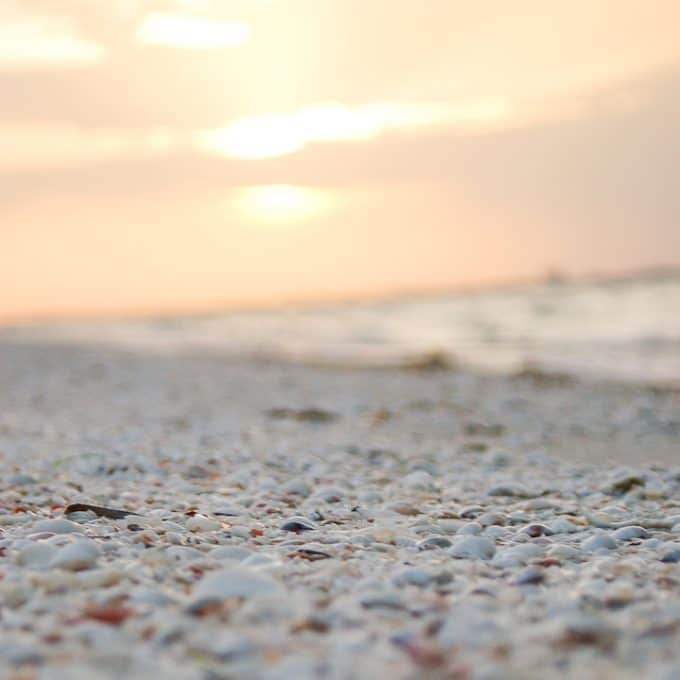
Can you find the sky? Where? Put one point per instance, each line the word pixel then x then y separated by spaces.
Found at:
pixel 183 155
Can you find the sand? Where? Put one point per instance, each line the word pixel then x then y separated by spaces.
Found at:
pixel 416 487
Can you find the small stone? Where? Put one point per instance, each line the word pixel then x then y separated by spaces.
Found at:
pixel 406 509
pixel 471 511
pixel 20 479
pixel 296 487
pixel 517 555
pixel 199 523
pixel 495 532
pixel 234 581
pixel 420 464
pixel 310 555
pixel 536 530
pixel 623 484
pixel 411 576
pixel 419 480
pixel 589 632
pixel 75 556
pixel 433 542
pixel 511 489
pixel 230 646
pixel 298 525
pixel 563 526
pixel 470 529
pixel 628 533
pixel 228 511
pixel 329 494
pixel 599 541
pixel 230 552
pixel 491 519
pixel 261 561
pixel 36 555
pixel 58 526
pixel 563 552
pixel 473 547
pixel 386 600
pixel 23 656
pixel 673 556
pixel 529 576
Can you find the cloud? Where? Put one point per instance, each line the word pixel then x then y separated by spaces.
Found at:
pixel 186 31
pixel 55 147
pixel 40 42
pixel 610 165
pixel 278 134
pixel 303 53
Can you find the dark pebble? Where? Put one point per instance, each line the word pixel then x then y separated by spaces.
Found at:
pixel 433 542
pixel 536 530
pixel 298 525
pixel 529 576
pixel 673 556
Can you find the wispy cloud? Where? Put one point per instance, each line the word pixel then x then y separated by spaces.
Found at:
pixel 187 31
pixel 39 42
pixel 40 147
pixel 279 134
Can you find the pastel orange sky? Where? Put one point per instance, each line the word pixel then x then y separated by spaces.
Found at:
pixel 182 154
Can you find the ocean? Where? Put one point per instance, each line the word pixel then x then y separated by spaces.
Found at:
pixel 626 328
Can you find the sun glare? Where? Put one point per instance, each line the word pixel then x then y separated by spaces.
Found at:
pixel 281 203
pixel 191 32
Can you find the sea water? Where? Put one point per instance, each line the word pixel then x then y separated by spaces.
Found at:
pixel 626 328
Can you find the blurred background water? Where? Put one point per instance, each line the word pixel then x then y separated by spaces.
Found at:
pixel 627 328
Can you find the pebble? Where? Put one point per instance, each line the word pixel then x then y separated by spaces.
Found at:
pixel 298 525
pixel 535 530
pixel 202 523
pixel 21 479
pixel 672 556
pixel 563 526
pixel 411 576
pixel 491 518
pixel 270 549
pixel 473 547
pixel 511 489
pixel 297 487
pixel 600 541
pixel 384 600
pixel 434 542
pixel 240 582
pixel 563 551
pixel 36 555
pixel 517 555
pixel 80 554
pixel 630 532
pixel 419 480
pixel 230 552
pixel 529 576
pixel 58 526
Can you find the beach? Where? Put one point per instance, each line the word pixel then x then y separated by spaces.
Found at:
pixel 332 522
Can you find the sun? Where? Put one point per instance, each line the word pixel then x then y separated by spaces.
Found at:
pixel 281 203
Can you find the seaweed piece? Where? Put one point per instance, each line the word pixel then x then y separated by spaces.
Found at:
pixel 307 415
